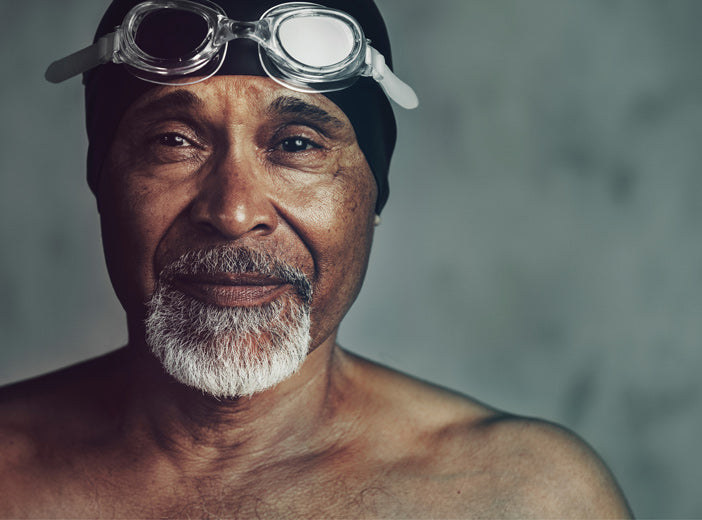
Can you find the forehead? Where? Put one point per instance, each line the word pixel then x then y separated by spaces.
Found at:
pixel 236 97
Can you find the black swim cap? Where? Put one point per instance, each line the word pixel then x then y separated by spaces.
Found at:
pixel 110 89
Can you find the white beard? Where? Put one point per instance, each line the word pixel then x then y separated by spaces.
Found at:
pixel 229 351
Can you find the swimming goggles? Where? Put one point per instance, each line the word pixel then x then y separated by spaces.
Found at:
pixel 303 46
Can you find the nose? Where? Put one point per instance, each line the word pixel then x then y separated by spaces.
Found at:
pixel 234 200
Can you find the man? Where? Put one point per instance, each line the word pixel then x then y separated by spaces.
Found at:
pixel 238 197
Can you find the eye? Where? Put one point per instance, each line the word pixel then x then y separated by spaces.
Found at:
pixel 297 144
pixel 173 140
pixel 167 147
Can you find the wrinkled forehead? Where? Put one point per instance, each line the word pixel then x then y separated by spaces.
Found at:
pixel 236 98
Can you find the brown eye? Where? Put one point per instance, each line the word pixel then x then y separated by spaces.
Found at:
pixel 171 147
pixel 173 140
pixel 296 144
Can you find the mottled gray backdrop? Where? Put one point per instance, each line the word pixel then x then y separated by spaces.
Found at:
pixel 540 250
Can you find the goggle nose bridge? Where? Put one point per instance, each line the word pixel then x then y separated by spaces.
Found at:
pixel 258 31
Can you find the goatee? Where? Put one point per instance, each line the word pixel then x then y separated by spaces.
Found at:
pixel 229 351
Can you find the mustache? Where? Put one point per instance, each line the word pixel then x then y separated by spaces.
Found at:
pixel 237 260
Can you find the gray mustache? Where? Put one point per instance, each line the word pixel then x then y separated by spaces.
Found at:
pixel 238 260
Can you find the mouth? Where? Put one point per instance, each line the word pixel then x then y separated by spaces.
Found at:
pixel 231 290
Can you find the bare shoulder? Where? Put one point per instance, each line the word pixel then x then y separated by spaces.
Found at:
pixel 461 458
pixel 39 412
pixel 69 386
pixel 46 423
pixel 546 471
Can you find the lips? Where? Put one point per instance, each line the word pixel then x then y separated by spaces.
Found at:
pixel 231 290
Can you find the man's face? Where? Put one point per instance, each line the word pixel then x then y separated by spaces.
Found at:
pixel 238 161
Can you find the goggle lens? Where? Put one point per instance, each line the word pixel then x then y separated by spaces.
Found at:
pixel 171 34
pixel 316 41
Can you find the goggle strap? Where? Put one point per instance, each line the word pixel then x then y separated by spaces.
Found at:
pixel 85 59
pixel 396 89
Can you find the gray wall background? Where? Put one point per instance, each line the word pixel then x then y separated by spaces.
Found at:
pixel 540 250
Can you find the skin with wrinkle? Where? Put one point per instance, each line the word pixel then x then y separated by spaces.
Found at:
pixel 241 161
pixel 330 173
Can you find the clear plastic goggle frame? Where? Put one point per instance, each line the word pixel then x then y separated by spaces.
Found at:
pixel 303 46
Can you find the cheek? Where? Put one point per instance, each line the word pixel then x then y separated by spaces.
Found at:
pixel 134 217
pixel 349 228
pixel 341 246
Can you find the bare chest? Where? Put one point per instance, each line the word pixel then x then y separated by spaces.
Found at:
pixel 205 498
pixel 299 494
pixel 293 494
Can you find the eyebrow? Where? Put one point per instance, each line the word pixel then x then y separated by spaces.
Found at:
pixel 282 106
pixel 288 105
pixel 178 99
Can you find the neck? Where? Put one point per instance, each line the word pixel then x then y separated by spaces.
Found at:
pixel 189 426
